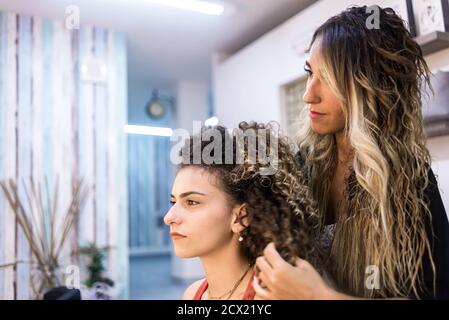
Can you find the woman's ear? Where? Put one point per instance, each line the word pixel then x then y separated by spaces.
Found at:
pixel 239 214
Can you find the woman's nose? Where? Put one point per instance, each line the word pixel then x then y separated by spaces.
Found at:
pixel 171 217
pixel 311 95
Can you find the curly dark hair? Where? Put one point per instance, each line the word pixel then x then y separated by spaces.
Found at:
pixel 279 206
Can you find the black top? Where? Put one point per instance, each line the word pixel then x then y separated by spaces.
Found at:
pixel 439 240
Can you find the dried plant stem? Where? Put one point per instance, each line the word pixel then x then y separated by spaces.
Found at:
pixel 37 216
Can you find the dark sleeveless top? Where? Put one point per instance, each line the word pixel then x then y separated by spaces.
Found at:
pixel 437 228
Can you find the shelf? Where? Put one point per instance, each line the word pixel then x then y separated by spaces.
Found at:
pixel 436 126
pixel 433 42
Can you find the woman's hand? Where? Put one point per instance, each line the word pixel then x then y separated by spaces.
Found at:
pixel 282 281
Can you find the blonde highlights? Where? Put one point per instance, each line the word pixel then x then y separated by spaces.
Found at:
pixel 377 75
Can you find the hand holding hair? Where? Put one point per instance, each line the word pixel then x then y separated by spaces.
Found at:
pixel 284 281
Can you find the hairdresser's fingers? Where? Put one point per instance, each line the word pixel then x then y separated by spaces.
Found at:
pixel 264 281
pixel 273 257
pixel 261 293
pixel 263 265
pixel 302 264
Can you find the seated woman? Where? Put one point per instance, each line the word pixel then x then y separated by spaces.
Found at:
pixel 227 211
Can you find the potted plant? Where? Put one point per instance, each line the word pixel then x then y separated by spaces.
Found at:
pixel 97 286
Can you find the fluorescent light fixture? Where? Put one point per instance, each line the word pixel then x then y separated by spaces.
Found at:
pixel 211 122
pixel 148 131
pixel 193 5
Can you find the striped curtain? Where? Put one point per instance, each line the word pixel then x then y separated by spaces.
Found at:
pixel 55 125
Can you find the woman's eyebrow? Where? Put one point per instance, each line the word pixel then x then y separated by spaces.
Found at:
pixel 188 193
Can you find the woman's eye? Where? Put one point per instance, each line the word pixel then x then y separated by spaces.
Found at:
pixel 172 203
pixel 308 71
pixel 192 203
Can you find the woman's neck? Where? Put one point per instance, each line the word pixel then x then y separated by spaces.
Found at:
pixel 223 269
pixel 344 148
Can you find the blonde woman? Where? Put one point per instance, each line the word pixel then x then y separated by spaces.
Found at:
pixel 384 226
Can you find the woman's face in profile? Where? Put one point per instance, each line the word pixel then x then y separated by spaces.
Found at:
pixel 201 214
pixel 325 112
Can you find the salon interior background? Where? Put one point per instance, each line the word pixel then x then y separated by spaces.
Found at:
pixel 62 119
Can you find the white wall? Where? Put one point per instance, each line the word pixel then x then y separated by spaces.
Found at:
pixel 191 105
pixel 439 148
pixel 247 85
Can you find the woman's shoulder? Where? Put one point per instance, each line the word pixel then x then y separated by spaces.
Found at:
pixel 191 290
pixel 438 233
pixel 433 197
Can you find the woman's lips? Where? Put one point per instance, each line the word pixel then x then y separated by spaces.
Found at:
pixel 176 236
pixel 314 114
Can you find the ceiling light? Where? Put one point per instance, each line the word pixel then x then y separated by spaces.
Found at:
pixel 148 131
pixel 211 122
pixel 193 5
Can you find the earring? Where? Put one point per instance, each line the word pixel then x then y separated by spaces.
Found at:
pixel 240 238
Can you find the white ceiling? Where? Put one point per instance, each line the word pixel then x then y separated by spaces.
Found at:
pixel 166 45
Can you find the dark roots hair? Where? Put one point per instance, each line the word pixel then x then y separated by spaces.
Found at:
pixel 378 74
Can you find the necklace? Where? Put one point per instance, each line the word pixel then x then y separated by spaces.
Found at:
pixel 230 292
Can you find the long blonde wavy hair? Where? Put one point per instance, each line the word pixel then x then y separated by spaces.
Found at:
pixel 377 75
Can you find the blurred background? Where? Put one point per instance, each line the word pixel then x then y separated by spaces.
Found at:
pixel 90 91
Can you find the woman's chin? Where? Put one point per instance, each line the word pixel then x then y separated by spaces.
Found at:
pixel 318 129
pixel 322 130
pixel 184 254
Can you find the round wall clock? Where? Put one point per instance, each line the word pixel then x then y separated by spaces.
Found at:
pixel 155 108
